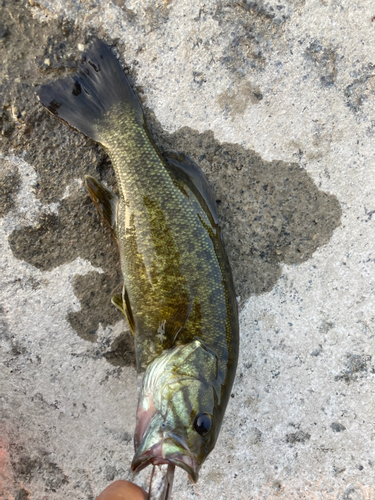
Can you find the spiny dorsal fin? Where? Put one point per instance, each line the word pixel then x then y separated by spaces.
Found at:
pixel 187 167
pixel 104 200
pixel 122 303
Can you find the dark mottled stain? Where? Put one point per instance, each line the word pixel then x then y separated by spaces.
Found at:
pixel 26 468
pixel 337 427
pixel 325 326
pixel 361 88
pixel 316 352
pixel 358 91
pixel 156 16
pixel 6 124
pixel 235 101
pixel 127 437
pixel 352 493
pixel 130 13
pixel 357 366
pixel 252 29
pixel 9 186
pixel 18 349
pixel 111 472
pixel 354 94
pixel 297 437
pixel 22 494
pixel 4 32
pixel 4 327
pixel 150 17
pixel 255 436
pixel 324 59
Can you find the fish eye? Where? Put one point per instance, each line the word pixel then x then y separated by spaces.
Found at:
pixel 202 423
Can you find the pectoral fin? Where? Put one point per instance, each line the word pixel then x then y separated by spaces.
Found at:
pixel 117 302
pixel 122 303
pixel 104 200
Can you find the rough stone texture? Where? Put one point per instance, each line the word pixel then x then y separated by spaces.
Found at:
pixel 276 101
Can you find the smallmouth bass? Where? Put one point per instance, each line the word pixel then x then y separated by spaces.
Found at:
pixel 178 295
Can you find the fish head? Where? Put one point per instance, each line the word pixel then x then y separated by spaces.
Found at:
pixel 179 414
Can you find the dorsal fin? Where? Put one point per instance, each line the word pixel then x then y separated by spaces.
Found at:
pixel 187 169
pixel 104 200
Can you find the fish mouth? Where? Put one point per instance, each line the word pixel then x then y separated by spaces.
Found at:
pixel 167 451
pixel 156 445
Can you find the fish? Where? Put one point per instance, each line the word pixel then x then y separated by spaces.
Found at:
pixel 178 295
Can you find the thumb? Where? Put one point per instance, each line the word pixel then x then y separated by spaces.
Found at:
pixel 122 490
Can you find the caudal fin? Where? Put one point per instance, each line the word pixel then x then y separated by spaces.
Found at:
pixel 83 100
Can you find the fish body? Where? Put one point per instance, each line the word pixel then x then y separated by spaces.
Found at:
pixel 178 293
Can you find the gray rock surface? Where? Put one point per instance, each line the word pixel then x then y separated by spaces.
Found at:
pixel 276 101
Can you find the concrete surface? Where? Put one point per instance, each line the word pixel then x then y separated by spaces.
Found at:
pixel 276 101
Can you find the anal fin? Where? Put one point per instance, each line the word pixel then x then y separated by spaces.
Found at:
pixel 122 303
pixel 104 200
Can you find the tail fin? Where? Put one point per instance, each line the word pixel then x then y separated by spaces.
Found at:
pixel 82 100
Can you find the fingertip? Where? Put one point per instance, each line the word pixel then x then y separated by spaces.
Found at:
pixel 122 490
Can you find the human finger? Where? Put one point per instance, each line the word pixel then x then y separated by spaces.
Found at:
pixel 122 490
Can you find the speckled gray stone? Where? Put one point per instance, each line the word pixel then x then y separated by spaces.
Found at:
pixel 276 101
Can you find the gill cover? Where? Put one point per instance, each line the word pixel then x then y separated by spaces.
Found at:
pixel 176 410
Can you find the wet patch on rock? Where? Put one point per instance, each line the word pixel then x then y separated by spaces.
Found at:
pixel 90 290
pixel 117 350
pixel 4 327
pixel 29 467
pixel 270 212
pixel 122 352
pixel 61 157
pixel 77 231
pixel 9 185
pixel 252 29
pixel 58 54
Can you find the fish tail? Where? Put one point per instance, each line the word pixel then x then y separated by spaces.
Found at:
pixel 86 98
